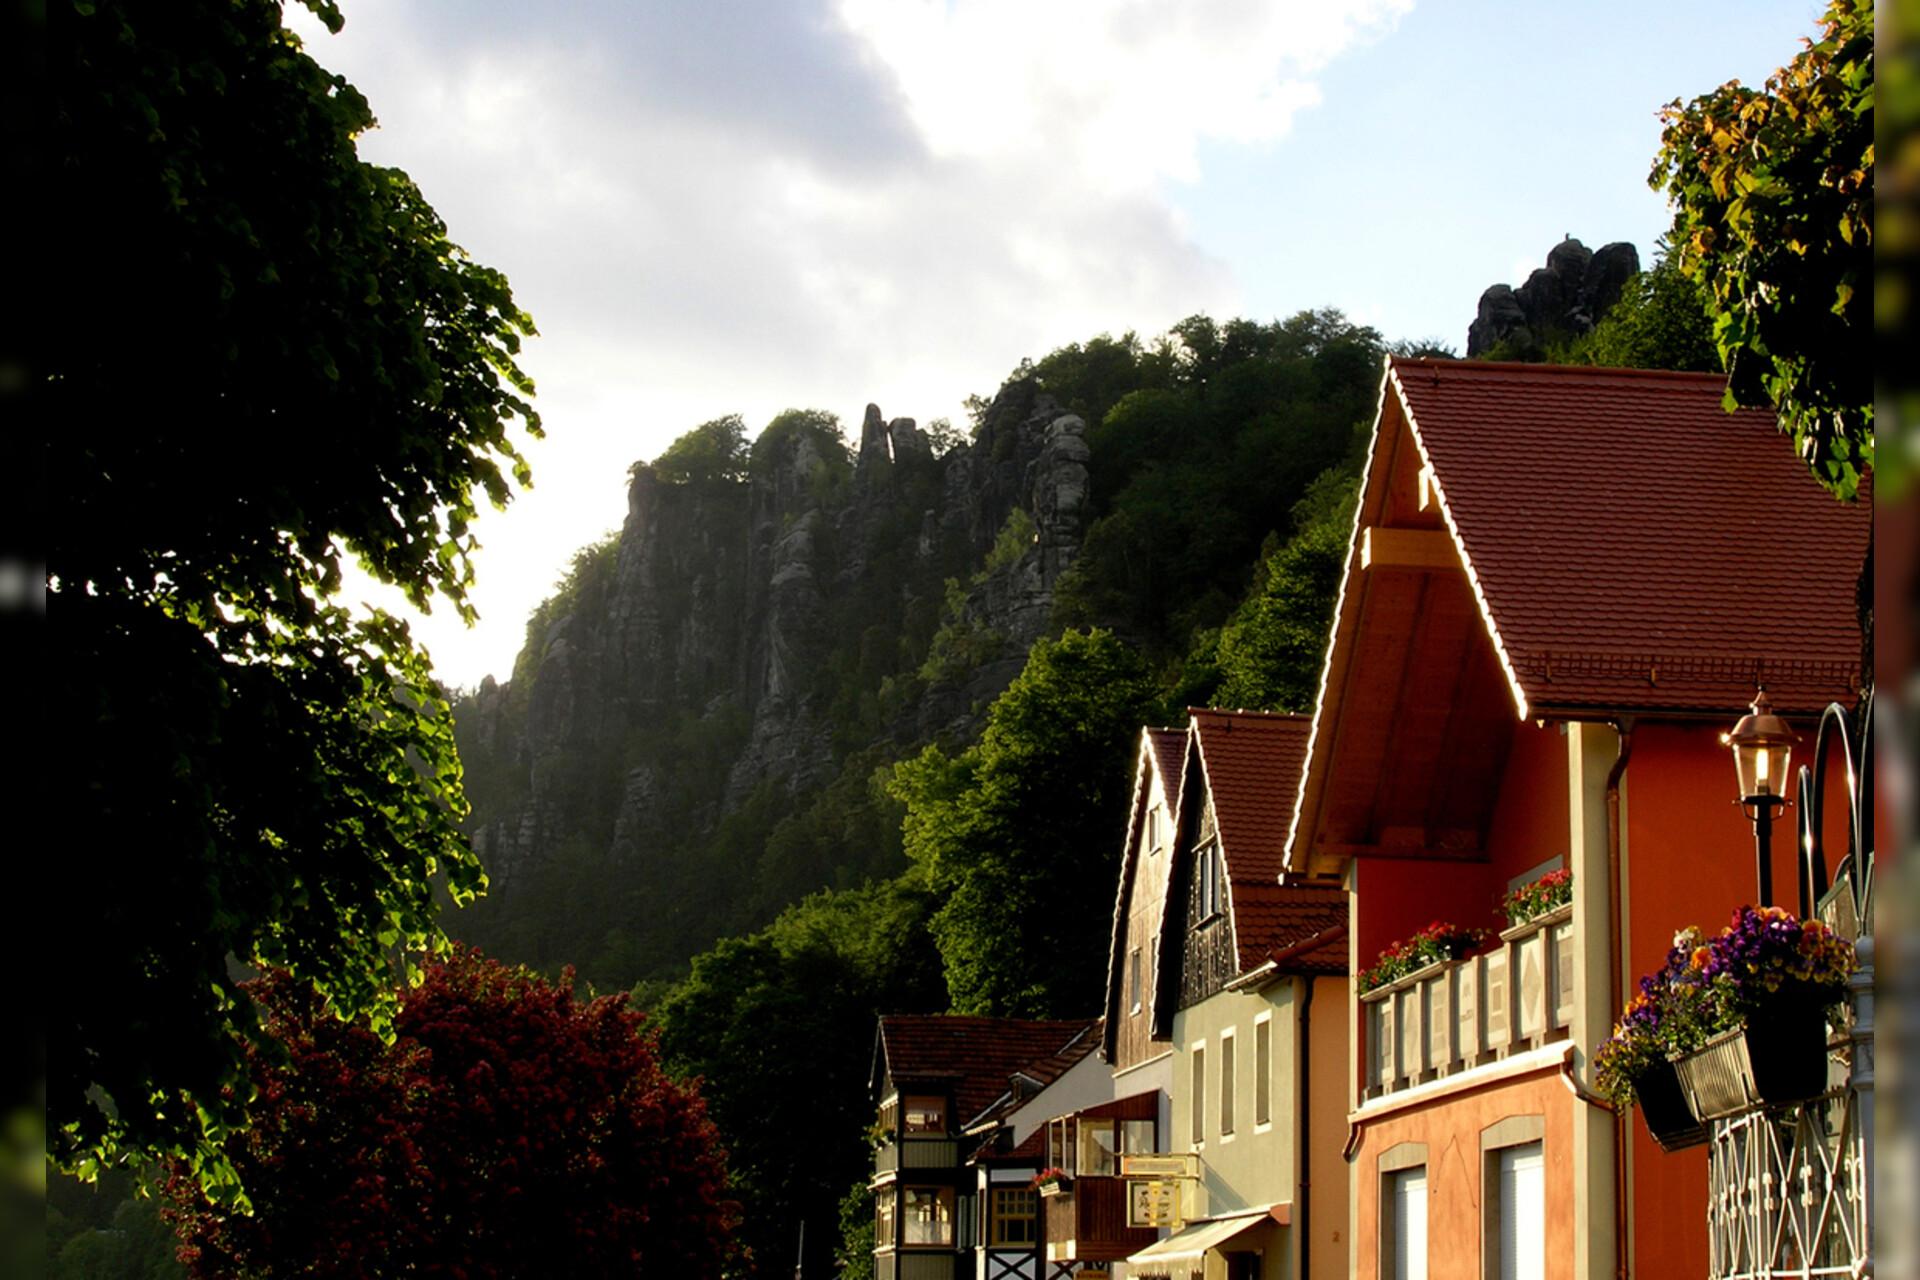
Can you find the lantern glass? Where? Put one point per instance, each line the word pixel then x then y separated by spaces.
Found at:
pixel 1762 748
pixel 1762 768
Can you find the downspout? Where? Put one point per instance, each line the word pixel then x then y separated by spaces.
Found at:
pixel 1303 1132
pixel 1624 725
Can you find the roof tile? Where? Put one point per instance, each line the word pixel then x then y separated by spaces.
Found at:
pixel 975 1055
pixel 1251 762
pixel 1636 546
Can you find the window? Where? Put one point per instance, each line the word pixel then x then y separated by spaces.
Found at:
pixel 1206 874
pixel 1062 1149
pixel 1133 980
pixel 1139 1137
pixel 1515 1236
pixel 1403 1243
pixel 1263 1072
pixel 927 1116
pixel 1226 1084
pixel 1154 838
pixel 1015 1217
pixel 1513 1194
pixel 1099 1142
pixel 1523 1250
pixel 926 1215
pixel 1198 1133
pixel 883 1218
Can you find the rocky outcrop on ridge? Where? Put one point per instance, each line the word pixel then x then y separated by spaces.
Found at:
pixel 746 634
pixel 1569 296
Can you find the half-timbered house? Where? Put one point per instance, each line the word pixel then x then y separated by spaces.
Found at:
pixel 951 1172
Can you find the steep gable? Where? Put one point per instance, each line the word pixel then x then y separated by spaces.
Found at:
pixel 1536 542
pixel 1140 895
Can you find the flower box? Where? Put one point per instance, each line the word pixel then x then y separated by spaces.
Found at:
pixel 1663 1106
pixel 1534 924
pixel 1778 1057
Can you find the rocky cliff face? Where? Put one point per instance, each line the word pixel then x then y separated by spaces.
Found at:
pixel 740 638
pixel 1570 295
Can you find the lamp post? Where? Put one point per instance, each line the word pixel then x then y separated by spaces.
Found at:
pixel 1762 743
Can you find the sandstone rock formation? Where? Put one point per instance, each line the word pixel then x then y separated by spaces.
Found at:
pixel 1568 296
pixel 738 636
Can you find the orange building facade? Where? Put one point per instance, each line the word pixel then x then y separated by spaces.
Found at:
pixel 1543 629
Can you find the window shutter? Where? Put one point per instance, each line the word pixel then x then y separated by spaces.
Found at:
pixel 1409 1187
pixel 1523 1189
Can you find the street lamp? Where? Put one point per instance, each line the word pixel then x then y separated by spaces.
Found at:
pixel 1762 743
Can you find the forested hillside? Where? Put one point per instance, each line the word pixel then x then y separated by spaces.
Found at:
pixel 866 711
pixel 701 728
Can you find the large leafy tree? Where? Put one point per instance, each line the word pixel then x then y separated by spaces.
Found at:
pixel 1773 196
pixel 1012 831
pixel 507 1129
pixel 779 1028
pixel 264 355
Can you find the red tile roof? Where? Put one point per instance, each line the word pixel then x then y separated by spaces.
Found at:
pixel 1302 927
pixel 1029 1078
pixel 972 1056
pixel 1169 747
pixel 1250 762
pixel 1632 545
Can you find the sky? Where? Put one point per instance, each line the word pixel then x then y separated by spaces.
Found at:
pixel 721 206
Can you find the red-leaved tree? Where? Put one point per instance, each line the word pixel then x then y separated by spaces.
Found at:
pixel 509 1130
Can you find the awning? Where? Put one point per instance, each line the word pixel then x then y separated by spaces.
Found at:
pixel 1184 1252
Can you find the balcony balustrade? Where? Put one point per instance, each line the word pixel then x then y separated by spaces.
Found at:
pixel 915 1153
pixel 1454 1016
pixel 913 1266
pixel 1089 1222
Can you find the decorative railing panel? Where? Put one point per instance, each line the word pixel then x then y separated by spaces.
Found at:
pixel 1454 1016
pixel 1789 1192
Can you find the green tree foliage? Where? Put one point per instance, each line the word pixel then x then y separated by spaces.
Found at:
pixel 714 450
pixel 1661 321
pixel 779 1027
pixel 1270 653
pixel 1201 457
pixel 135 1243
pixel 1773 197
pixel 508 1129
pixel 264 354
pixel 1011 831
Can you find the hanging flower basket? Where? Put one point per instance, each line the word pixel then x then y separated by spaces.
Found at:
pixel 1663 1105
pixel 1776 1058
pixel 1052 1182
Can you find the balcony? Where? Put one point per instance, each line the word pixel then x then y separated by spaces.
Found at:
pixel 1089 1223
pixel 1454 1016
pixel 913 1266
pixel 915 1153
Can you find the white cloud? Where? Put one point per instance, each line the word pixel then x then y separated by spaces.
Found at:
pixel 742 206
pixel 1118 92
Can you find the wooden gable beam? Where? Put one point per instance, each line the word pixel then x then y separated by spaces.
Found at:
pixel 1386 547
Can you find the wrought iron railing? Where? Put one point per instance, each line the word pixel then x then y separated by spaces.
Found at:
pixel 1791 1189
